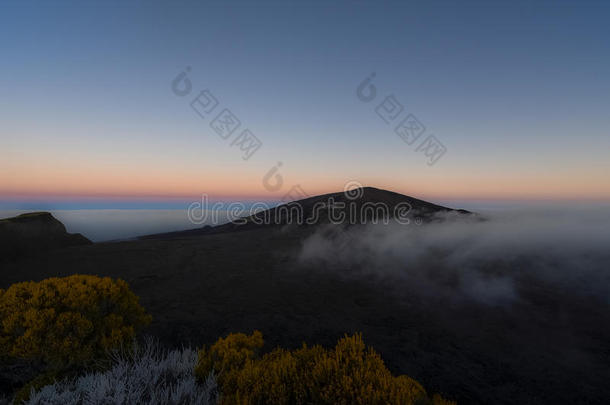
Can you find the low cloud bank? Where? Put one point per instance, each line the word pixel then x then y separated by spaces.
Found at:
pixel 493 261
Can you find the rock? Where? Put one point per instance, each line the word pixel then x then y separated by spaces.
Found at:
pixel 35 232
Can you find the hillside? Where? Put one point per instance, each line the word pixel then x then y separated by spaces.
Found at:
pixel 33 233
pixel 200 287
pixel 365 205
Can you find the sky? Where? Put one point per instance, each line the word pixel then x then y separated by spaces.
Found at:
pixel 93 113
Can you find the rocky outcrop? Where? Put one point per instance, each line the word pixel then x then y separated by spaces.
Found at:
pixel 31 233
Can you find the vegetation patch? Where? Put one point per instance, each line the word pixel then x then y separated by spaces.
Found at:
pixel 59 326
pixel 144 375
pixel 349 374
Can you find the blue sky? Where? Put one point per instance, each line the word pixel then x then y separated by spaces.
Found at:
pixel 517 92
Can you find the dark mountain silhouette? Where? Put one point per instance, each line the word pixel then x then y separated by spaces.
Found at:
pixel 31 233
pixel 359 206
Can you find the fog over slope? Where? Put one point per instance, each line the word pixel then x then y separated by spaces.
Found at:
pixel 488 261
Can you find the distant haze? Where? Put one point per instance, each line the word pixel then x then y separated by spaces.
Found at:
pixel 105 225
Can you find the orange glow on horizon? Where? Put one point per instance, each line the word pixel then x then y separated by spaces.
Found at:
pixel 59 179
pixel 241 191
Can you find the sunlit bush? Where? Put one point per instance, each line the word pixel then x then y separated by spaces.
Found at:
pixel 61 322
pixel 349 374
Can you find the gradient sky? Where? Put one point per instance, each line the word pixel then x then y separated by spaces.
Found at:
pixel 518 92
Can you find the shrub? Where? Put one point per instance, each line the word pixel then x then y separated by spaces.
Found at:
pixel 147 375
pixel 229 354
pixel 62 322
pixel 348 374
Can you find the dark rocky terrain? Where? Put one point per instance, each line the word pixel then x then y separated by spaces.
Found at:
pixel 550 347
pixel 32 233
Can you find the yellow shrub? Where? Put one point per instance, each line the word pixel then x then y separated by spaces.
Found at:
pixel 438 400
pixel 230 353
pixel 68 321
pixel 349 374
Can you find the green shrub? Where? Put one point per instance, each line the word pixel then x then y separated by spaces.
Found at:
pixel 349 374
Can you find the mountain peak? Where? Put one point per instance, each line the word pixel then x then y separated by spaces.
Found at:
pixel 362 205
